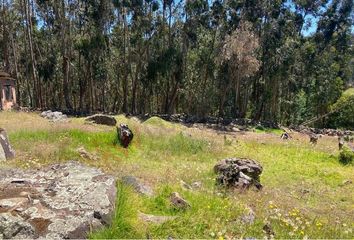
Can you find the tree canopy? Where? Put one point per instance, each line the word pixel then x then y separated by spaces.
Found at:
pixel 235 58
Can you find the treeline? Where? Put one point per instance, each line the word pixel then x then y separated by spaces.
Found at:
pixel 234 58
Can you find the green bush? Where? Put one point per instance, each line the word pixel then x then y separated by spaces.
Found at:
pixel 343 111
pixel 346 156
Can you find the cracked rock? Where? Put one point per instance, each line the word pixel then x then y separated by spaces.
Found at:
pixel 59 201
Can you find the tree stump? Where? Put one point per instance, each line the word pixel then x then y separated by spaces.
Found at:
pixel 238 173
pixel 125 135
pixel 6 151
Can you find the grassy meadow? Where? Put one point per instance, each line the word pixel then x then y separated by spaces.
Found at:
pixel 307 193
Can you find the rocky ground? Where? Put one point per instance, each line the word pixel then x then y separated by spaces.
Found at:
pixel 60 201
pixel 171 181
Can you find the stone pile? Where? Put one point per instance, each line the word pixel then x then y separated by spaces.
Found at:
pixel 238 173
pixel 65 201
pixel 211 121
pixel 324 131
pixel 54 116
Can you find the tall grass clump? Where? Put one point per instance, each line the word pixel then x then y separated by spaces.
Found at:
pixel 346 156
pixel 123 224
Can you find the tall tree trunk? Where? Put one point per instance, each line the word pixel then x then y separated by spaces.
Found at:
pixel 27 6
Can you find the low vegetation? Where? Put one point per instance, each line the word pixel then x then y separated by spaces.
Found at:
pixel 346 156
pixel 307 192
pixel 343 111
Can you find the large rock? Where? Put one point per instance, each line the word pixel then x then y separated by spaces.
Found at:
pixel 125 135
pixel 61 201
pixel 238 173
pixel 102 119
pixel 54 116
pixel 6 151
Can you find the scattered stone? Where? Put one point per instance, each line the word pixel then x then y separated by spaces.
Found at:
pixel 6 151
pixel 186 185
pixel 62 201
pixel 125 135
pixel 313 139
pixel 138 186
pixel 285 136
pixel 102 119
pixel 178 202
pixel 186 134
pixel 305 191
pixel 238 173
pixel 85 154
pixel 346 182
pixel 196 185
pixel 268 230
pixel 155 219
pixel 249 217
pixel 340 143
pixel 54 116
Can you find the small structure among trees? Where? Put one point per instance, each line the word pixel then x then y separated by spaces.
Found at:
pixel 7 92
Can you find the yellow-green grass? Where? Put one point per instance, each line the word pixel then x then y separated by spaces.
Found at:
pixel 303 191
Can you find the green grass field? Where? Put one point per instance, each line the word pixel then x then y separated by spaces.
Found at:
pixel 303 196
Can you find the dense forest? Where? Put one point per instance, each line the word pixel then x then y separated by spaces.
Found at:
pixel 285 61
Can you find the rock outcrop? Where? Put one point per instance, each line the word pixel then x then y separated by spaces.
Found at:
pixel 64 201
pixel 54 116
pixel 125 135
pixel 238 173
pixel 102 119
pixel 6 151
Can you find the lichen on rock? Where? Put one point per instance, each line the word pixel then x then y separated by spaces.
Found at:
pixel 59 201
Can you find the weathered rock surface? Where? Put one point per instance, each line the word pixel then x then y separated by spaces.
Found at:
pixel 61 201
pixel 155 219
pixel 238 173
pixel 178 202
pixel 125 135
pixel 6 151
pixel 102 119
pixel 138 186
pixel 54 116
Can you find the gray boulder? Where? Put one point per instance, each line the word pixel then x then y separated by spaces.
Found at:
pixel 6 151
pixel 102 119
pixel 238 173
pixel 138 186
pixel 64 201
